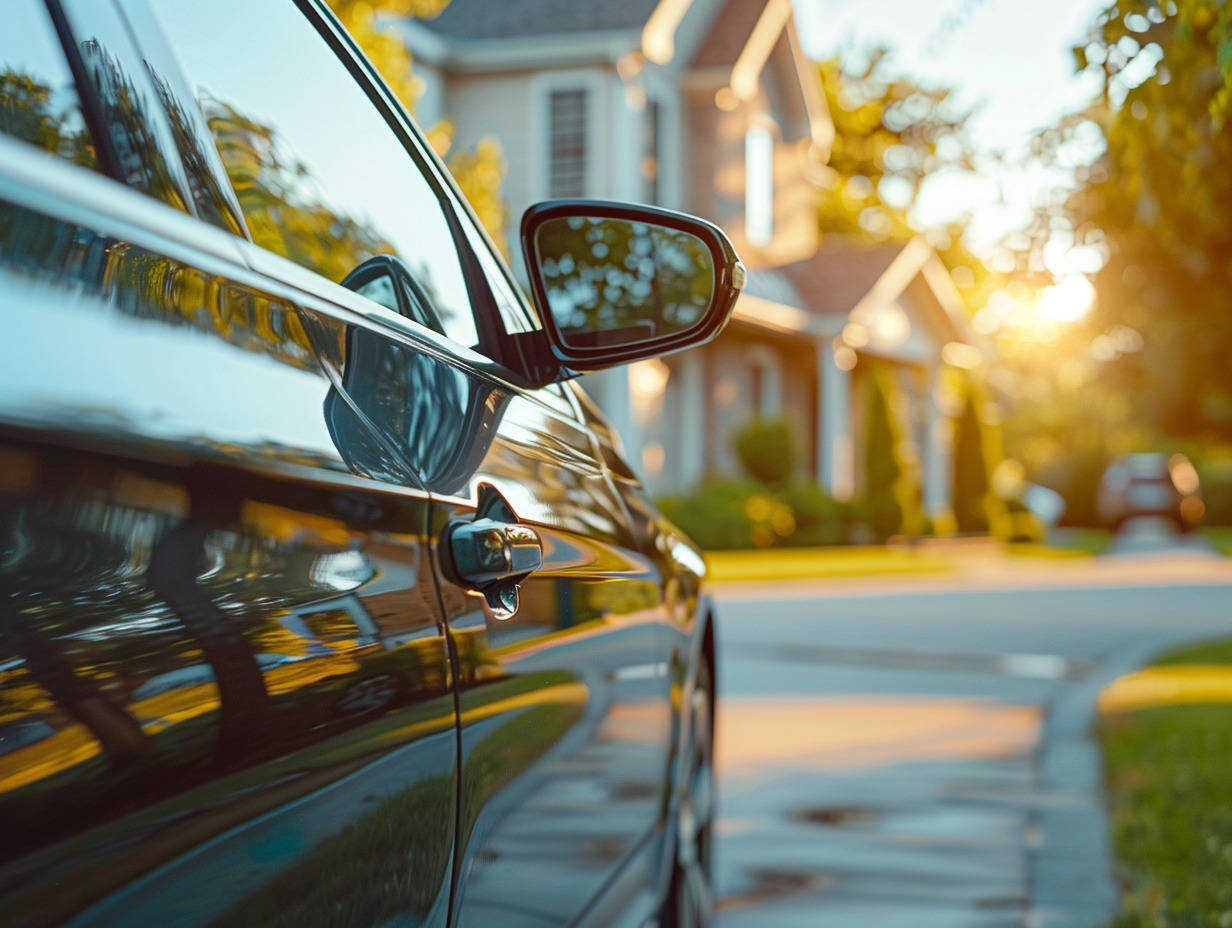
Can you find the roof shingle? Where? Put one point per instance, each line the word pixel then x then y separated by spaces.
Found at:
pixel 492 19
pixel 835 279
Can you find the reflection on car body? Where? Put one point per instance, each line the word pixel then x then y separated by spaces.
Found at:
pixel 243 680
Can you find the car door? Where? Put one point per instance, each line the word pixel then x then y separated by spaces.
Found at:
pixel 565 703
pixel 225 690
pixel 566 722
pixel 566 754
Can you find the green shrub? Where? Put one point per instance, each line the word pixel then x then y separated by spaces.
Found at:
pixel 1217 495
pixel 715 515
pixel 881 514
pixel 892 503
pixel 726 514
pixel 768 451
pixel 820 519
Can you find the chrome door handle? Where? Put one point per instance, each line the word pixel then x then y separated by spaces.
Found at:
pixel 491 554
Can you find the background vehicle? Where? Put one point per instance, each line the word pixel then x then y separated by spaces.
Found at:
pixel 327 598
pixel 1150 484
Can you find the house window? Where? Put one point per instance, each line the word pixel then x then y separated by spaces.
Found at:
pixel 650 153
pixel 567 128
pixel 759 185
pixel 765 381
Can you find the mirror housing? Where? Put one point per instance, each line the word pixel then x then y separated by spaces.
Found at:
pixel 615 283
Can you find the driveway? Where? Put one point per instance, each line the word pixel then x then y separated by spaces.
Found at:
pixel 915 751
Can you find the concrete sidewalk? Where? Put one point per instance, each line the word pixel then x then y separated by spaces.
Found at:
pixel 916 751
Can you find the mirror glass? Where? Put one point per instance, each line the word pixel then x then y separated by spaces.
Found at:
pixel 617 282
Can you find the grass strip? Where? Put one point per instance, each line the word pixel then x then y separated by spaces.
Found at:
pixel 1220 536
pixel 822 563
pixel 1169 793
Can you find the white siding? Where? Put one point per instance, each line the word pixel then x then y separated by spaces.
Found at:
pixel 494 106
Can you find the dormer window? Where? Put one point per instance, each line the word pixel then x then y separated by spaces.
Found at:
pixel 567 130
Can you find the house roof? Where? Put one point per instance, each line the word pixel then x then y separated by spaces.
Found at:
pixel 729 34
pixel 769 284
pixel 835 279
pixel 493 19
pixel 858 284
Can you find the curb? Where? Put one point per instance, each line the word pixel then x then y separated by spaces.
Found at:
pixel 1071 869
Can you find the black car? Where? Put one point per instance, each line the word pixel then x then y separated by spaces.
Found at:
pixel 326 596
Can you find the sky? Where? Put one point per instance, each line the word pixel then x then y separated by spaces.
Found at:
pixel 1009 60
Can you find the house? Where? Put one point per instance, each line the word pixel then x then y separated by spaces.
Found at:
pixel 707 106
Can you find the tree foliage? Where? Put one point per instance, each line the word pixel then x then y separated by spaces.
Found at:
pixel 1157 200
pixel 891 135
pixel 28 111
pixel 970 471
pixel 883 467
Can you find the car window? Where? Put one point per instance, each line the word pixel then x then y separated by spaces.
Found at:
pixel 321 176
pixel 38 100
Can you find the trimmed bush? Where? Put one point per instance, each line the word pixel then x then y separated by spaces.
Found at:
pixel 892 500
pixel 881 512
pixel 768 451
pixel 715 514
pixel 820 519
pixel 726 514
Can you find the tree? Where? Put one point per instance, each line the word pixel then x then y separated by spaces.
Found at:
pixel 884 474
pixel 1157 200
pixel 891 135
pixel 970 472
pixel 28 110
pixel 478 172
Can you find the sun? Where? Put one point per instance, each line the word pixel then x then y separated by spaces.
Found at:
pixel 1066 301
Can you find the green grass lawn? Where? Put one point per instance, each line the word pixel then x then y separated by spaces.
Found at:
pixel 1168 774
pixel 1065 543
pixel 1220 536
pixel 823 563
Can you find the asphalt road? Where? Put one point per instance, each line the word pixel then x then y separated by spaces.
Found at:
pixel 916 752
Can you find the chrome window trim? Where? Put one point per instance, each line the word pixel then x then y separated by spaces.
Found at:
pixel 81 196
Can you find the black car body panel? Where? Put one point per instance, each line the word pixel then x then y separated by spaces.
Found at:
pixel 237 686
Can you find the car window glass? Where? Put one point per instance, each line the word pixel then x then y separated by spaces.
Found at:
pixel 321 176
pixel 38 100
pixel 140 136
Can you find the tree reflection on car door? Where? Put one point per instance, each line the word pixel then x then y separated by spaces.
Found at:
pixel 564 705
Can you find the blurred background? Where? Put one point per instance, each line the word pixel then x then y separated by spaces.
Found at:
pixel 987 244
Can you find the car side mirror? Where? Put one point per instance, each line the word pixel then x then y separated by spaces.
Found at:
pixel 616 283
